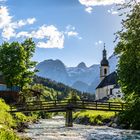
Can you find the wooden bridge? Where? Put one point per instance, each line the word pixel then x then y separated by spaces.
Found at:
pixel 67 106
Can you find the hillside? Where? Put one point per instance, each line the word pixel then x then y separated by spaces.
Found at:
pixel 60 88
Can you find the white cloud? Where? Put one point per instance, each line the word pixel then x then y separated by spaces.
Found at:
pixel 112 11
pixel 8 32
pixel 91 3
pixel 70 27
pixel 98 42
pixel 89 9
pixel 8 26
pixel 55 38
pixel 71 32
pixel 5 18
pixel 23 34
pixel 31 20
pixel 21 23
pixel 48 36
pixel 52 43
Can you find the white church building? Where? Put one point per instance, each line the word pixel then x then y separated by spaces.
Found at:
pixel 108 86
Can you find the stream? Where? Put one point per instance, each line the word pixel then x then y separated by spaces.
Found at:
pixel 54 129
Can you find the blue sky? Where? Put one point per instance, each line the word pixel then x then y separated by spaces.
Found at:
pixel 70 30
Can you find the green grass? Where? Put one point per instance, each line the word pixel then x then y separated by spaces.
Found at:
pixel 8 134
pixel 10 122
pixel 6 118
pixel 6 123
pixel 94 117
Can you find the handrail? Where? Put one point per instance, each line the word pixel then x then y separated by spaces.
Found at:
pixel 64 104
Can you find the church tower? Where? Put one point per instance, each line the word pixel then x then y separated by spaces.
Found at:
pixel 104 68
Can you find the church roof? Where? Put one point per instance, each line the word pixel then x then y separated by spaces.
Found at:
pixel 111 79
pixel 104 62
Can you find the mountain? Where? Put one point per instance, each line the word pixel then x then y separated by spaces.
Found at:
pixel 113 61
pixel 81 86
pixel 81 77
pixel 53 69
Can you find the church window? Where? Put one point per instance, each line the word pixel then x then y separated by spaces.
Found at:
pixel 105 71
pixel 110 91
pixel 119 95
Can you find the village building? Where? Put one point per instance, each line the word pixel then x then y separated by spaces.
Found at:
pixel 108 86
pixel 9 94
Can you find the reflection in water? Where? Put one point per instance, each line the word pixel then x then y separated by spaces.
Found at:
pixel 54 129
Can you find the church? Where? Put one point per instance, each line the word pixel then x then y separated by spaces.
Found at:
pixel 108 86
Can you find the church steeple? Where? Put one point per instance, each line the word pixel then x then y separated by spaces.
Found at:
pixel 104 61
pixel 104 52
pixel 104 69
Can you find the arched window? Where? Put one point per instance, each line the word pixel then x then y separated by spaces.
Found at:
pixel 105 71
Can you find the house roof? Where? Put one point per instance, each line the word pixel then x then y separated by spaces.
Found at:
pixel 111 79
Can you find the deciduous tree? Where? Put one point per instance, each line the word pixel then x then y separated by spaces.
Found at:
pixel 15 62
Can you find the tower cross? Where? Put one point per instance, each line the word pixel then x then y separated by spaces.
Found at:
pixel 104 46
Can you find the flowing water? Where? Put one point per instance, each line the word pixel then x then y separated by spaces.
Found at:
pixel 54 129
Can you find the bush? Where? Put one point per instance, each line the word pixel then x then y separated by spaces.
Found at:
pixel 20 117
pixel 131 116
pixel 6 118
pixel 118 100
pixel 7 134
pixel 94 117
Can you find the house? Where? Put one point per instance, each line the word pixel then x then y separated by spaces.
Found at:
pixel 10 95
pixel 108 86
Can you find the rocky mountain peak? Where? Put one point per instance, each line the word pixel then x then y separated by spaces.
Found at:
pixel 82 65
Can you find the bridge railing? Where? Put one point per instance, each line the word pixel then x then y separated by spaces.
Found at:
pixel 95 105
pixel 65 104
pixel 38 105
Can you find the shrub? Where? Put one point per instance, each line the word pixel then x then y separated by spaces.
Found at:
pixel 7 134
pixel 131 116
pixel 6 118
pixel 95 117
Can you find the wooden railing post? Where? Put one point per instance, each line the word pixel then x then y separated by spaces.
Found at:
pixel 55 102
pixel 69 119
pixel 122 106
pixel 109 105
pixel 82 103
pixel 96 104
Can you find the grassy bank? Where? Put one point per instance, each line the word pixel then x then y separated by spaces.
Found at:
pixel 9 124
pixel 93 117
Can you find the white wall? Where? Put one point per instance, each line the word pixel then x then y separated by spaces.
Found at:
pixel 116 92
pixel 103 92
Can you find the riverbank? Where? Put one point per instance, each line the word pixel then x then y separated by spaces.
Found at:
pixel 11 124
pixel 99 118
